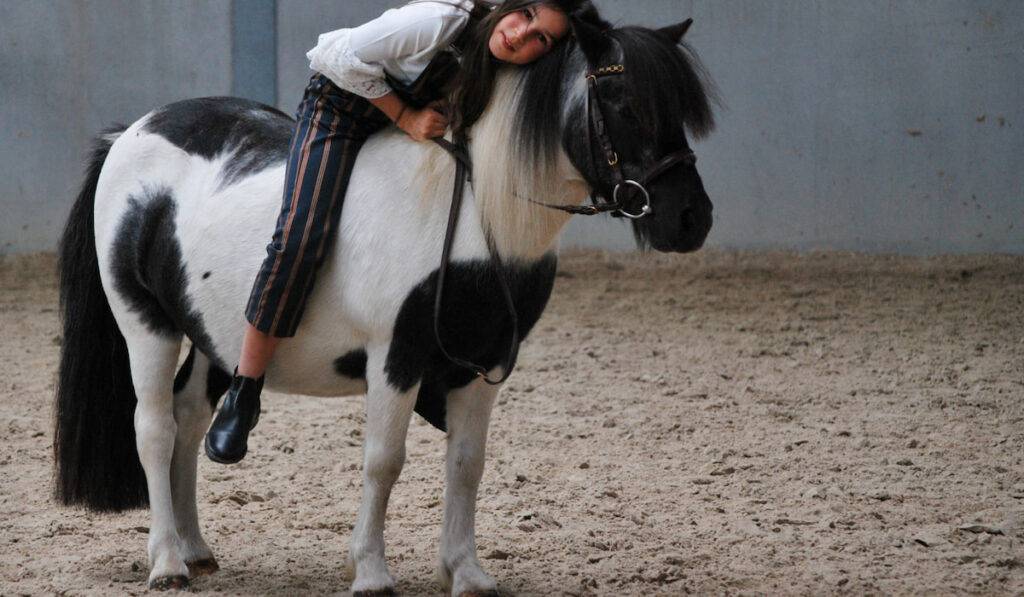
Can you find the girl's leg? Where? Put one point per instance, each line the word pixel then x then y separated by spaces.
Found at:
pixel 226 441
pixel 332 126
pixel 257 350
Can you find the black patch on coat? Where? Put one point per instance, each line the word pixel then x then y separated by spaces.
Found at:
pixel 217 379
pixel 217 382
pixel 257 135
pixel 185 372
pixel 149 272
pixel 475 325
pixel 432 402
pixel 351 365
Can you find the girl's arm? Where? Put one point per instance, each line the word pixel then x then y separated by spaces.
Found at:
pixel 354 58
pixel 419 124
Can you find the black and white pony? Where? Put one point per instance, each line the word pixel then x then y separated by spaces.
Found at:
pixel 172 222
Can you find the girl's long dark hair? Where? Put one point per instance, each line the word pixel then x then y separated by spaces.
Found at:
pixel 474 82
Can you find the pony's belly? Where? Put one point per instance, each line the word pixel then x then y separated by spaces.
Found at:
pixel 288 379
pixel 325 361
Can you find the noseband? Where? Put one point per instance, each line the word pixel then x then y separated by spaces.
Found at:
pixel 684 156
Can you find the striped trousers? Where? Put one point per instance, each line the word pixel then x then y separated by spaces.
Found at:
pixel 332 125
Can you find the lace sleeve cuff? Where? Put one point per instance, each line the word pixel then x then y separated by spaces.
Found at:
pixel 333 56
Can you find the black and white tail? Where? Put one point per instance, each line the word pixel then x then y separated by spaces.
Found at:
pixel 94 437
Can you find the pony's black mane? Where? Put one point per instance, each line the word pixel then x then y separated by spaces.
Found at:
pixel 670 83
pixel 670 88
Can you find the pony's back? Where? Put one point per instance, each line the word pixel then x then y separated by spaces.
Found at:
pixel 187 203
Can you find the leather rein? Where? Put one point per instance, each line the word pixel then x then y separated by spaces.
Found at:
pixel 463 173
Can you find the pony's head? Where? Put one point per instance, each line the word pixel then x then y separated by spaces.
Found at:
pixel 626 102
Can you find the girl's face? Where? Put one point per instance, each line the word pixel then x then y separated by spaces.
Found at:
pixel 525 35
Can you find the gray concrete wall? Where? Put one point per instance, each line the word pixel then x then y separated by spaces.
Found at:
pixel 299 23
pixel 69 68
pixel 874 126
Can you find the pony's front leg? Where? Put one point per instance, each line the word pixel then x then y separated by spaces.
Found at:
pixel 153 359
pixel 469 413
pixel 388 410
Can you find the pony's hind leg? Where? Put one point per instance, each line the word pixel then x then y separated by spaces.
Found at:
pixel 468 413
pixel 154 358
pixel 196 388
pixel 388 411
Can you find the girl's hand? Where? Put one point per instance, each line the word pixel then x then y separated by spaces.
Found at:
pixel 423 124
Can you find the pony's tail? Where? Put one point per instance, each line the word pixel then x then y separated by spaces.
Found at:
pixel 94 436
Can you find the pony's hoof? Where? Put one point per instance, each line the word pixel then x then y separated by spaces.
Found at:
pixel 389 592
pixel 491 593
pixel 168 583
pixel 202 567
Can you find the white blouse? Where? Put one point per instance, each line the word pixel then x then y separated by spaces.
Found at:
pixel 401 42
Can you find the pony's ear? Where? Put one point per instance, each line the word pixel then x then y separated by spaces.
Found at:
pixel 676 32
pixel 592 40
pixel 588 13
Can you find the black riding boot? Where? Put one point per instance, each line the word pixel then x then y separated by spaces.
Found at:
pixel 227 436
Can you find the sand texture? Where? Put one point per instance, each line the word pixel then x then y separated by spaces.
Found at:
pixel 721 423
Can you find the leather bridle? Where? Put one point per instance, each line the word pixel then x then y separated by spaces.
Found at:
pixel 684 156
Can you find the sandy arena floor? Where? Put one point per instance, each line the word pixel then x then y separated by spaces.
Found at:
pixel 714 424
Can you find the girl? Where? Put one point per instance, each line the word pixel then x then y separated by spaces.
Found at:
pixel 388 70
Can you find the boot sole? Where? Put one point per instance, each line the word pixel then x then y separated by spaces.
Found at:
pixel 217 457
